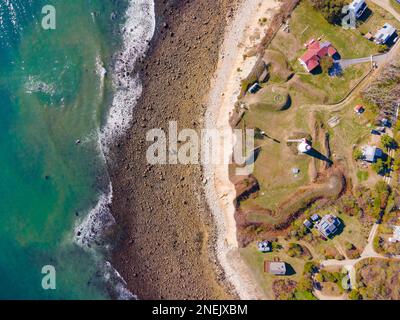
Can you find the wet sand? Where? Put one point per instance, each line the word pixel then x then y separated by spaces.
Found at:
pixel 166 232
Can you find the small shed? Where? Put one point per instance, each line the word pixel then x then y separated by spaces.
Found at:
pixel 264 246
pixel 359 109
pixel 307 223
pixel 315 217
pixel 396 235
pixel 369 36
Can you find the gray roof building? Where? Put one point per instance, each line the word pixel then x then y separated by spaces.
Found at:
pixel 359 7
pixel 328 225
pixel 276 268
pixel 264 246
pixel 307 223
pixel 384 34
pixel 315 217
pixel 371 153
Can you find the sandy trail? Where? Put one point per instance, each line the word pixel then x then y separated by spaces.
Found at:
pixel 243 32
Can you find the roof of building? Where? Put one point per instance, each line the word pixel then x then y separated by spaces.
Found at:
pixel 307 223
pixel 370 153
pixel 385 33
pixel 315 51
pixel 277 268
pixel 359 108
pixel 328 225
pixel 315 217
pixel 356 5
pixel 264 246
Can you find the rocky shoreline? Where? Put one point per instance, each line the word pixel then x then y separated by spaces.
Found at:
pixel 165 231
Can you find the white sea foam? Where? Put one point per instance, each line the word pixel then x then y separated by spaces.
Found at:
pixel 90 231
pixel 120 286
pixel 137 32
pixel 34 84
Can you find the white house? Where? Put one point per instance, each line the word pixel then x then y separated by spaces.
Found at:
pixel 396 234
pixel 358 7
pixel 384 34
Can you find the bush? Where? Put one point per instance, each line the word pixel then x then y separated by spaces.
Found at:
pixel 310 267
pixel 388 142
pixel 355 295
pixel 357 154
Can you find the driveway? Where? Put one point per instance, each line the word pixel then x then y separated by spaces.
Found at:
pixel 378 59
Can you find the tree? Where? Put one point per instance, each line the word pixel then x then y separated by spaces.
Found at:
pixel 326 63
pixel 330 9
pixel 388 142
pixel 310 267
pixel 379 166
pixel 357 154
pixel 383 48
pixel 355 295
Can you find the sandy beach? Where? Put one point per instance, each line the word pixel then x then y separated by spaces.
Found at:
pixel 242 34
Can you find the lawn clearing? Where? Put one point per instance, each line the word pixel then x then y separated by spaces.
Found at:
pixel 306 23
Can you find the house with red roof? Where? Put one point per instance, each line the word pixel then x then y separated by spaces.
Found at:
pixel 316 50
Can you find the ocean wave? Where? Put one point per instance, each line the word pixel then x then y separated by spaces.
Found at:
pixel 137 33
pixel 34 84
pixel 119 284
pixel 91 230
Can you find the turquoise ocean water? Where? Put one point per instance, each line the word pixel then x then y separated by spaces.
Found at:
pixel 51 94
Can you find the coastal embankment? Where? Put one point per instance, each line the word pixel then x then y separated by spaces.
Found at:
pixel 242 35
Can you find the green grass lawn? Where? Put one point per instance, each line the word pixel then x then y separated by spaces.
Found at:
pixel 378 18
pixel 362 175
pixel 306 23
pixel 255 260
pixel 330 90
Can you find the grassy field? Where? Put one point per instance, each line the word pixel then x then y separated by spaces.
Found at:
pixel 377 19
pixel 255 260
pixel 274 165
pixel 323 89
pixel 306 23
pixel 395 5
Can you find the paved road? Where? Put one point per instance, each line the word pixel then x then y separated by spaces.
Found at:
pixel 378 59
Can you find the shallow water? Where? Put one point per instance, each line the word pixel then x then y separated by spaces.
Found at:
pixel 52 92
